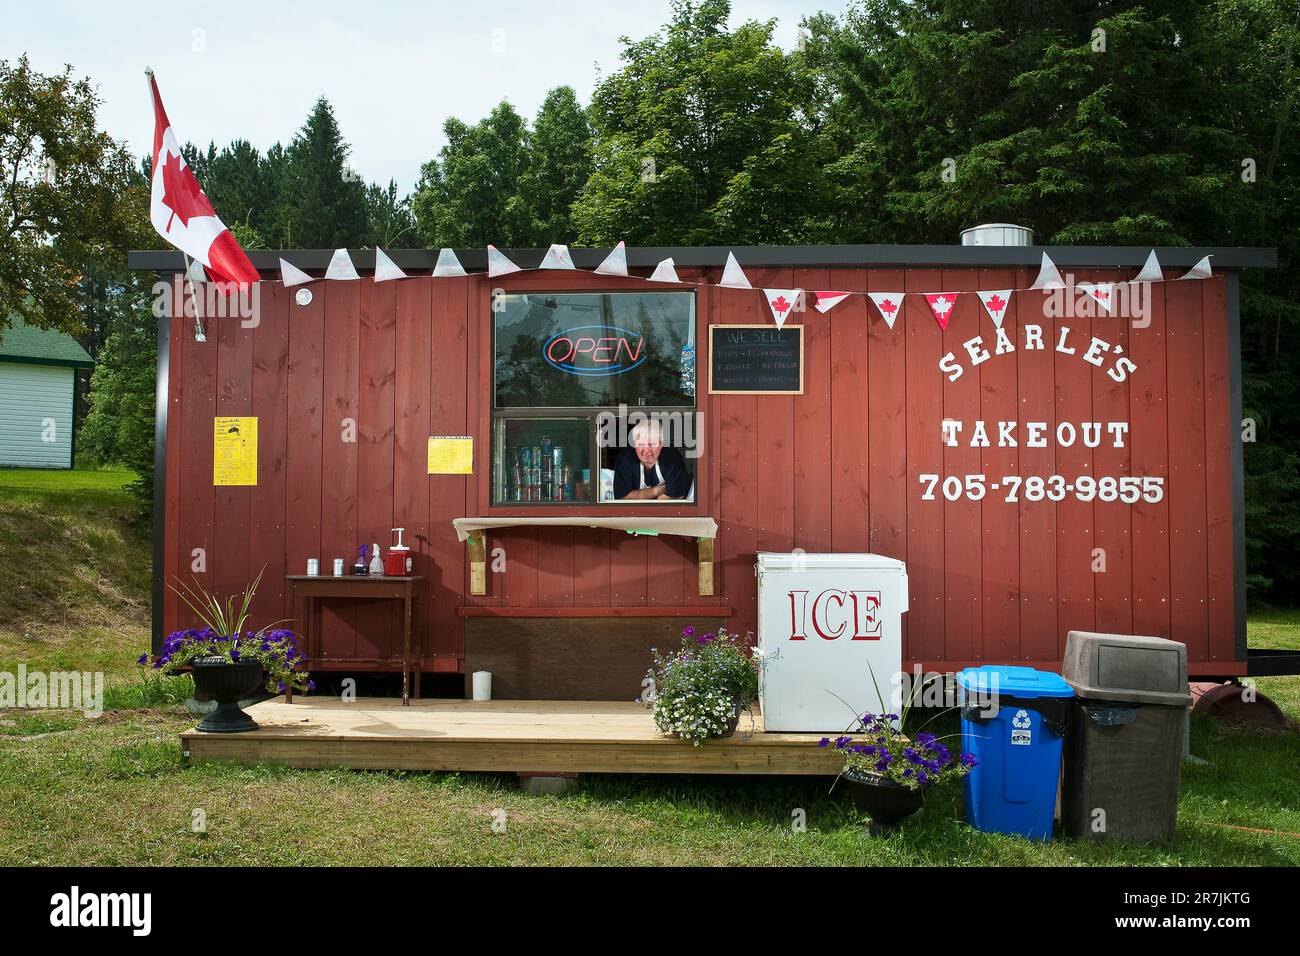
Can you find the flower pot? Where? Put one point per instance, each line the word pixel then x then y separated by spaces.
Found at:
pixel 734 721
pixel 227 682
pixel 886 802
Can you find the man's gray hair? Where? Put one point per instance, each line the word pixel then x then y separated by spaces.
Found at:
pixel 649 428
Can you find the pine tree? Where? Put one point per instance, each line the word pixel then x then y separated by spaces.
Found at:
pixel 325 199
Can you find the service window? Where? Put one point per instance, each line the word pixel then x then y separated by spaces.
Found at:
pixel 594 398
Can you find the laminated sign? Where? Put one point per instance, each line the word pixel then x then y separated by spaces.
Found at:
pixel 451 455
pixel 234 451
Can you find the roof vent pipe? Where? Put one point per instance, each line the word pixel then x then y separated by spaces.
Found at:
pixel 997 234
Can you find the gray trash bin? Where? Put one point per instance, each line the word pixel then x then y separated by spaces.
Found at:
pixel 1124 746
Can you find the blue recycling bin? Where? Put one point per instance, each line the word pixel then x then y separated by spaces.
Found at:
pixel 1013 719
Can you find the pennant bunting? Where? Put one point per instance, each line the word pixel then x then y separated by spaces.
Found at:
pixel 1199 271
pixel 1151 271
pixel 341 266
pixel 385 268
pixel 1100 292
pixel 615 263
pixel 291 275
pixel 825 301
pixel 941 304
pixel 733 277
pixel 889 304
pixel 665 272
pixel 1049 277
pixel 498 264
pixel 196 272
pixel 557 257
pixel 448 265
pixel 995 304
pixel 782 302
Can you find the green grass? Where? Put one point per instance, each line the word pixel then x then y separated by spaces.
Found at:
pixel 113 790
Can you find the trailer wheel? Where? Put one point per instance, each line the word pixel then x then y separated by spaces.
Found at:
pixel 1228 704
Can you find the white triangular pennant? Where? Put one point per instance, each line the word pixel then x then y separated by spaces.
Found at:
pixel 995 304
pixel 615 263
pixel 1151 271
pixel 890 305
pixel 498 264
pixel 782 302
pixel 665 272
pixel 1199 271
pixel 1100 292
pixel 733 277
pixel 196 272
pixel 448 265
pixel 557 257
pixel 1049 277
pixel 341 266
pixel 385 268
pixel 290 274
pixel 825 301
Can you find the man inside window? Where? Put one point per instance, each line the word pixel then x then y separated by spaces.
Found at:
pixel 648 470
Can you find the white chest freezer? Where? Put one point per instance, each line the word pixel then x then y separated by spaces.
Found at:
pixel 826 623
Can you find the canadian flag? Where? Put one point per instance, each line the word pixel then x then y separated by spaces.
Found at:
pixel 181 212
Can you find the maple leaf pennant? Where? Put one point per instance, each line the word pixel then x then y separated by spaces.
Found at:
pixel 995 304
pixel 825 301
pixel 1100 292
pixel 782 302
pixel 889 304
pixel 386 269
pixel 1151 271
pixel 1199 271
pixel 615 263
pixel 665 272
pixel 291 275
pixel 1049 277
pixel 941 304
pixel 498 264
pixel 448 265
pixel 341 266
pixel 733 277
pixel 557 257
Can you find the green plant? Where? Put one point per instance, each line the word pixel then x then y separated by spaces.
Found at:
pixel 701 687
pixel 223 635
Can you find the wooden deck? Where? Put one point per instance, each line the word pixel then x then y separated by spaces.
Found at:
pixel 515 736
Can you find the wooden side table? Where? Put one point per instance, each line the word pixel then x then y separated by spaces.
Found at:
pixel 312 588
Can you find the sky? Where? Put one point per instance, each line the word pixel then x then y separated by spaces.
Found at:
pixel 393 70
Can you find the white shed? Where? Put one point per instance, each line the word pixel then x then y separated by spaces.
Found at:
pixel 38 379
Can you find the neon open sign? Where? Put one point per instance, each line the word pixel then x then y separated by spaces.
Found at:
pixel 595 350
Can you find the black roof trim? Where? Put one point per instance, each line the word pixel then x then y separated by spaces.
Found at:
pixel 764 257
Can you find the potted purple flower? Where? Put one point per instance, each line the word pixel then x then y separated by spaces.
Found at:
pixel 888 772
pixel 229 663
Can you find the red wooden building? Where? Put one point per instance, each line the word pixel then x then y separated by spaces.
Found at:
pixel 859 461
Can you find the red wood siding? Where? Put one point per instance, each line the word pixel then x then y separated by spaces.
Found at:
pixel 348 388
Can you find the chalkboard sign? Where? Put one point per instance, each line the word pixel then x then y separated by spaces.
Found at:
pixel 756 359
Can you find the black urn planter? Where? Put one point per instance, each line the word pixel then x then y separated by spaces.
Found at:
pixel 227 682
pixel 886 802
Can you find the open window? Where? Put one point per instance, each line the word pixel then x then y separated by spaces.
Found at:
pixel 585 386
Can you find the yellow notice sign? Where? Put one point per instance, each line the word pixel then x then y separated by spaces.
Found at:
pixel 234 451
pixel 451 455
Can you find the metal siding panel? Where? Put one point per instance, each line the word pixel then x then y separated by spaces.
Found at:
pixel 31 398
